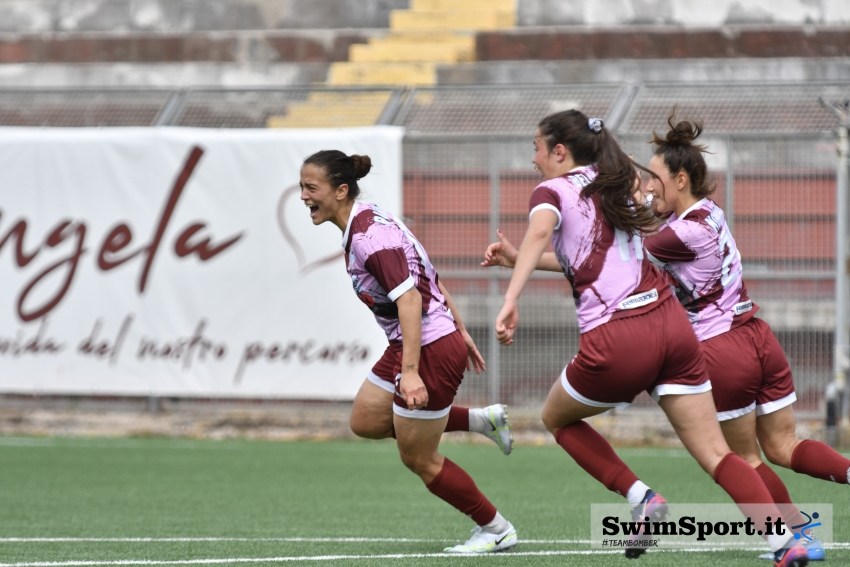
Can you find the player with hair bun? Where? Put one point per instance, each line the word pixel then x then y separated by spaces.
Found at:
pixel 634 336
pixel 409 392
pixel 751 381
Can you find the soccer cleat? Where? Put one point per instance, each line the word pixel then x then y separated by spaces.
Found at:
pixel 814 549
pixel 485 542
pixel 500 432
pixel 653 506
pixel 791 556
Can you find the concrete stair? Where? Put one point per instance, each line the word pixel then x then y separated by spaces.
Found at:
pixel 431 32
pixel 333 110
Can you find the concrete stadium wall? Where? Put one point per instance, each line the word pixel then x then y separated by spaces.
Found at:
pixel 192 15
pixel 691 13
pixel 204 15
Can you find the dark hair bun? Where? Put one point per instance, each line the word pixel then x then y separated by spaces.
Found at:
pixel 362 165
pixel 683 133
pixel 682 153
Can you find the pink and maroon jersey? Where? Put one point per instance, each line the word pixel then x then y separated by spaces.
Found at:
pixel 385 260
pixel 698 251
pixel 606 267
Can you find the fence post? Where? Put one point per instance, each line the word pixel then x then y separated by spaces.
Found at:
pixel 729 189
pixel 836 392
pixel 494 297
pixel 840 356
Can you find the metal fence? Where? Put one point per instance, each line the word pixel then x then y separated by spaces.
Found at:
pixel 773 161
pixel 467 172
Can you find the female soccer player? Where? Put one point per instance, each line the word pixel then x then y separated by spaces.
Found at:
pixel 634 336
pixel 421 370
pixel 751 380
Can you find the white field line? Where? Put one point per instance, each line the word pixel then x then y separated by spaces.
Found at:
pixel 270 539
pixel 692 545
pixel 283 559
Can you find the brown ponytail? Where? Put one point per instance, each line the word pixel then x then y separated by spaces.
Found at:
pixel 590 142
pixel 681 153
pixel 342 169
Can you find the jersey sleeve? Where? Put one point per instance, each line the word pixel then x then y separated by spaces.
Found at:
pixel 667 246
pixel 545 197
pixel 389 268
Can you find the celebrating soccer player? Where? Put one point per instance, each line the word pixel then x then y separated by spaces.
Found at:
pixel 634 335
pixel 409 392
pixel 751 380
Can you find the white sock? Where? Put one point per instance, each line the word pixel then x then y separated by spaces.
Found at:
pixel 636 493
pixel 478 421
pixel 848 475
pixel 777 542
pixel 497 525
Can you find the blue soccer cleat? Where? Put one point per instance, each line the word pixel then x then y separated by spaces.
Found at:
pixel 791 556
pixel 814 548
pixel 652 506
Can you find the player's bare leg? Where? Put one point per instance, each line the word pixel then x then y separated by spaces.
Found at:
pixel 694 418
pixel 418 441
pixel 564 417
pixel 372 418
pixel 777 435
pixel 372 412
pixel 740 435
pixel 561 409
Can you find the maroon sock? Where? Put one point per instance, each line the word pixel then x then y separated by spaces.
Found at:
pixel 780 495
pixel 594 454
pixel 745 486
pixel 820 461
pixel 453 485
pixel 458 419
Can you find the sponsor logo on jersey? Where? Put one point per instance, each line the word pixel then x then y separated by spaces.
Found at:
pixel 743 307
pixel 639 300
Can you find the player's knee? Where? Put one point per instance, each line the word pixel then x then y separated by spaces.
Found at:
pixel 779 453
pixel 416 463
pixel 752 460
pixel 551 421
pixel 365 428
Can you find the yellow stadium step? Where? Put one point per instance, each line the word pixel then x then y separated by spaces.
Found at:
pixel 382 74
pixel 419 5
pixel 398 51
pixel 455 19
pixel 333 110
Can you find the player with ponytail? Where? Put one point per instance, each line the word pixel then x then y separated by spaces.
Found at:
pixel 634 336
pixel 409 392
pixel 751 380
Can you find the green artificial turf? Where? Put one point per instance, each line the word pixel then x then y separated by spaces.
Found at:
pixel 251 490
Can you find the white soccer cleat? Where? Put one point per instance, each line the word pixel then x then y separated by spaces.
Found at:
pixel 496 417
pixel 485 542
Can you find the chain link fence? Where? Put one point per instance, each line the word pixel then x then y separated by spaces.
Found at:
pixel 468 172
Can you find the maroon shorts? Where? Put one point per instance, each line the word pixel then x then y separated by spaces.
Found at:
pixel 655 352
pixel 748 371
pixel 441 367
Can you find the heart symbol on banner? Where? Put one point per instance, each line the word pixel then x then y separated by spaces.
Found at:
pixel 304 267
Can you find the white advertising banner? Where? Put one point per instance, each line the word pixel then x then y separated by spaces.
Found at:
pixel 180 262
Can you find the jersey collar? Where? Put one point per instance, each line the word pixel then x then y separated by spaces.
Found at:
pixel 354 210
pixel 696 205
